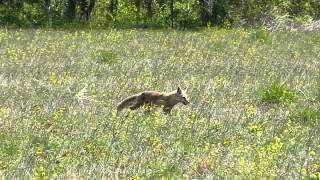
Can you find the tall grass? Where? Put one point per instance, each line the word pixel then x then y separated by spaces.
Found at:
pixel 59 89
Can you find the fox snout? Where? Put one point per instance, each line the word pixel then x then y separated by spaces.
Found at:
pixel 185 101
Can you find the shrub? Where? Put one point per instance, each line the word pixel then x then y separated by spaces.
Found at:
pixel 106 57
pixel 307 115
pixel 259 35
pixel 277 93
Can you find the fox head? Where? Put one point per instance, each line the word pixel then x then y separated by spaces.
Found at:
pixel 182 96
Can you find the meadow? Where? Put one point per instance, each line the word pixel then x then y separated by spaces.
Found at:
pixel 254 110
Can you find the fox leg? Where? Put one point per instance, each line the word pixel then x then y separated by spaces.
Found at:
pixel 167 110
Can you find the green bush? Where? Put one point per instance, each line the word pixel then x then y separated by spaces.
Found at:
pixel 106 57
pixel 277 93
pixel 307 115
pixel 259 35
pixel 23 14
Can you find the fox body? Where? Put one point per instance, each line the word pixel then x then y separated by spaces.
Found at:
pixel 154 98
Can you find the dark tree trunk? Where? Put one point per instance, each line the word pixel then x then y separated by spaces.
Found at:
pixel 83 9
pixel 71 9
pixel 204 12
pixel 47 9
pixel 149 8
pixel 47 6
pixel 113 6
pixel 90 8
pixel 138 6
pixel 218 12
pixel 212 11
pixel 162 4
pixel 171 9
pixel 86 7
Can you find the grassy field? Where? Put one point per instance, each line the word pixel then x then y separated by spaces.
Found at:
pixel 254 108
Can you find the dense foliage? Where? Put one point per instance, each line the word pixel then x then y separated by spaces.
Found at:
pixel 142 13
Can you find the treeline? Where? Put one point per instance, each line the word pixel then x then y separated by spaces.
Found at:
pixel 160 13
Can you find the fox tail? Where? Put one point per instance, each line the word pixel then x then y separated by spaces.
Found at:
pixel 128 102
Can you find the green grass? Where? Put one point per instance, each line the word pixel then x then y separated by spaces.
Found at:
pixel 59 89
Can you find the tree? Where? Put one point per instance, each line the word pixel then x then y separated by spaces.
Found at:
pixel 205 11
pixel 71 9
pixel 86 7
pixel 149 8
pixel 212 11
pixel 171 10
pixel 162 4
pixel 137 3
pixel 113 6
pixel 48 12
pixel 218 12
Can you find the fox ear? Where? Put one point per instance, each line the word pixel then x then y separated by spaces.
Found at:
pixel 179 90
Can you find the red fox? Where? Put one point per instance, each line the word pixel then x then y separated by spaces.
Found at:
pixel 154 98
